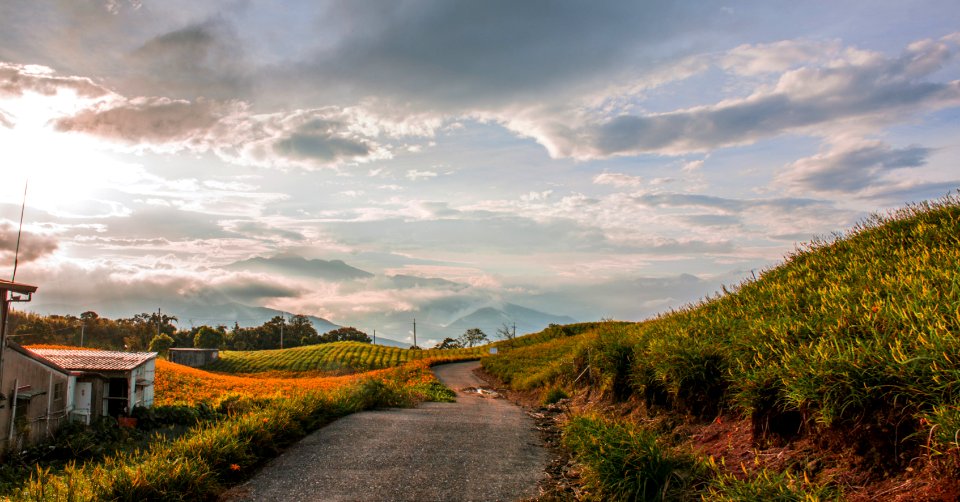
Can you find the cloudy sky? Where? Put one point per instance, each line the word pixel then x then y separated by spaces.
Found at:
pixel 591 159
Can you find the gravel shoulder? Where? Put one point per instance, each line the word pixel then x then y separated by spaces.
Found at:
pixel 480 448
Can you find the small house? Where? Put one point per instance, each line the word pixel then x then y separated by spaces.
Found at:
pixel 36 397
pixel 108 383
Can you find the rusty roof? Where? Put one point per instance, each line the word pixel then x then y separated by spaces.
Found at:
pixel 36 357
pixel 17 287
pixel 95 360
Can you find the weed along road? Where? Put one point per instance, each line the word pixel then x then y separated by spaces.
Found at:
pixel 479 448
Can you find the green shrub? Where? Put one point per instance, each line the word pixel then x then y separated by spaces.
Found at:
pixel 553 395
pixel 625 462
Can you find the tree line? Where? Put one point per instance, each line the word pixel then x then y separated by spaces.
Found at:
pixel 159 332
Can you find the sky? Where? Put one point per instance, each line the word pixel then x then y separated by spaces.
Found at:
pixel 588 159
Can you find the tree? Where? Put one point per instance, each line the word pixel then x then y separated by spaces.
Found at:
pixel 505 333
pixel 473 336
pixel 161 344
pixel 346 334
pixel 300 331
pixel 449 343
pixel 207 338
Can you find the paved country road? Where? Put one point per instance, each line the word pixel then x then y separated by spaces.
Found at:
pixel 479 448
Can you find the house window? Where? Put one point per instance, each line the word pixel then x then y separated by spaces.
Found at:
pixel 58 391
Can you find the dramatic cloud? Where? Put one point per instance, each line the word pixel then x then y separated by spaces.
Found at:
pixel 203 59
pixel 851 166
pixel 598 159
pixel 32 245
pixel 322 137
pixel 150 120
pixel 487 53
pixel 17 79
pixel 858 85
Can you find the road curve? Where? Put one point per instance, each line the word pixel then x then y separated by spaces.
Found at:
pixel 479 448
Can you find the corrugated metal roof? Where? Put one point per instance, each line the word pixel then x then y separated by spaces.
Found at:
pixel 17 287
pixel 95 360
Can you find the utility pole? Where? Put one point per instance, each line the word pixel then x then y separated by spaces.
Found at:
pixel 514 330
pixel 158 321
pixel 283 320
pixel 414 331
pixel 374 337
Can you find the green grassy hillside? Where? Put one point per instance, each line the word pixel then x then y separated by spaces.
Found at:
pixel 329 357
pixel 856 338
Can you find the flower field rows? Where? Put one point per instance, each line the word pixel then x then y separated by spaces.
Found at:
pixel 337 357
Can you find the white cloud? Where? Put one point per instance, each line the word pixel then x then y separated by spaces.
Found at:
pixel 416 174
pixel 777 57
pixel 619 180
pixel 850 166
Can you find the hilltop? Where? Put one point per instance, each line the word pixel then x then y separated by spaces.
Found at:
pixel 833 375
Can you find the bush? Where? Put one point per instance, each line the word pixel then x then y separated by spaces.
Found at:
pixel 625 462
pixel 553 395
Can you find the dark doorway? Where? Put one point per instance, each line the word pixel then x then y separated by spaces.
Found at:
pixel 118 397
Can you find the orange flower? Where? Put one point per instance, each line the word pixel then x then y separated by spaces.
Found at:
pixel 234 467
pixel 265 420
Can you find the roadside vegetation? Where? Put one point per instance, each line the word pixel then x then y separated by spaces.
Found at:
pixel 209 431
pixel 848 352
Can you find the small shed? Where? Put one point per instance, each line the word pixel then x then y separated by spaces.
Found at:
pixel 36 397
pixel 108 383
pixel 194 358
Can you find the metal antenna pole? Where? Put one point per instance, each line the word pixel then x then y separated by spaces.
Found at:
pixel 16 254
pixel 414 331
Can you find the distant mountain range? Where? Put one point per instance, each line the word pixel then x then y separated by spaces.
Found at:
pixel 450 308
pixel 290 265
pixel 525 320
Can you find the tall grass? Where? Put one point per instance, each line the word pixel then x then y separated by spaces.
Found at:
pixel 856 336
pixel 625 462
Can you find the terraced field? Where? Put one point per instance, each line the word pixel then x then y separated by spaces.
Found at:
pixel 337 357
